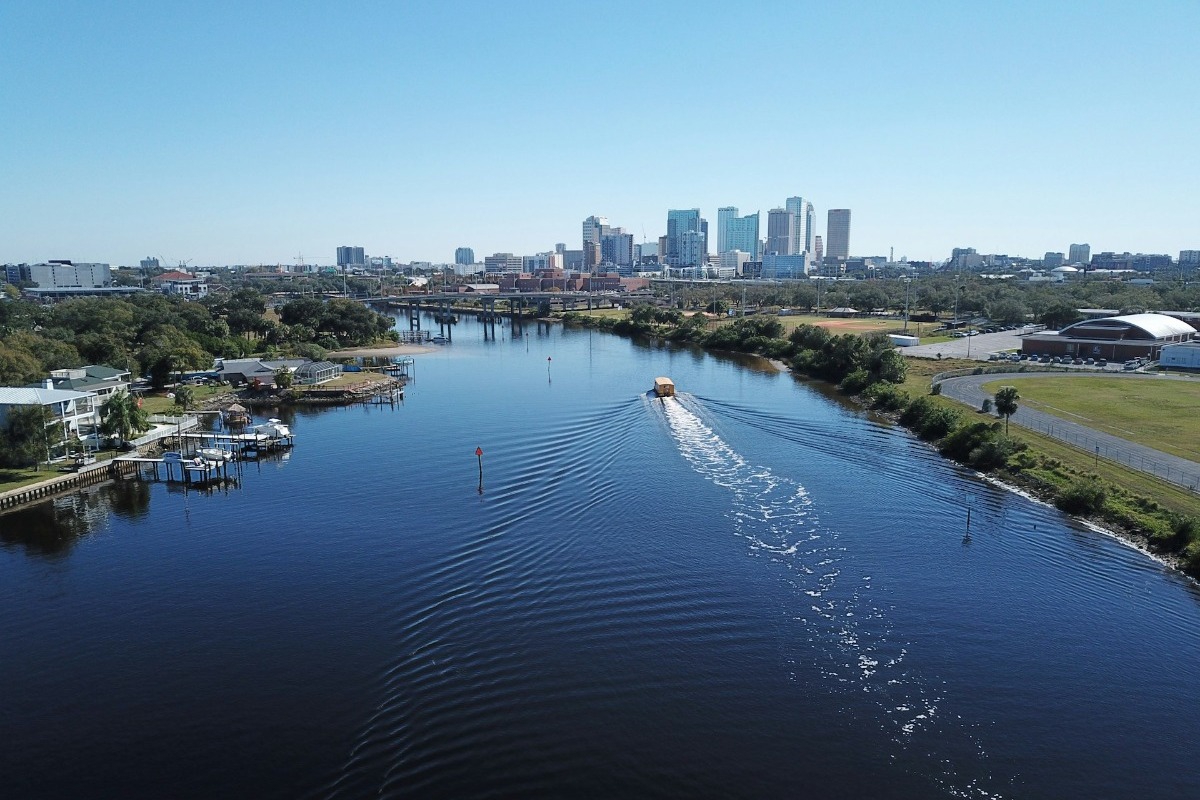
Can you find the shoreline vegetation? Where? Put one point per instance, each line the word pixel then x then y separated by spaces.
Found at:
pixel 1157 517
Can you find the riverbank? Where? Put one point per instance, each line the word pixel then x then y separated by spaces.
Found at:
pixel 869 376
pixel 377 351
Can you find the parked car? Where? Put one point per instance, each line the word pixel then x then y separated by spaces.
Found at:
pixel 1077 362
pixel 1101 362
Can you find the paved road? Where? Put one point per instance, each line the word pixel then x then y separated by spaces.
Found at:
pixel 1179 471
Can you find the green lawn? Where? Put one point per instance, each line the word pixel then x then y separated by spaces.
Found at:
pixel 16 478
pixel 161 404
pixel 1161 414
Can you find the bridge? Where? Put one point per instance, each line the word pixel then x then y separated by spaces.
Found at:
pixel 446 306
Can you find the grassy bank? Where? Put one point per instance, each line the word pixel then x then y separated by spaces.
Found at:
pixel 1144 411
pixel 1159 515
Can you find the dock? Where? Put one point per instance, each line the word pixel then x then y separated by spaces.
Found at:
pixel 190 470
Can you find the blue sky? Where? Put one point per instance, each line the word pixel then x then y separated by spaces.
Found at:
pixel 227 133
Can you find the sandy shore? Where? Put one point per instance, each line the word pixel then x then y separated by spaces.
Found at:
pixel 382 352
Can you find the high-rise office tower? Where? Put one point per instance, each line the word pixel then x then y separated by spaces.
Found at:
pixel 679 222
pixel 464 255
pixel 779 231
pixel 808 227
pixel 837 234
pixel 742 234
pixel 593 228
pixel 1080 253
pixel 724 217
pixel 351 257
pixel 796 205
pixel 616 247
pixel 818 249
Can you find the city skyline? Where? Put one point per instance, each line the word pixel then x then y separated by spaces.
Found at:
pixel 242 136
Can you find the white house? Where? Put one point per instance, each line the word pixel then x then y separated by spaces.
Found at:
pixel 77 413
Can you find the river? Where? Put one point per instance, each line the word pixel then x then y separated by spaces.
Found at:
pixel 750 590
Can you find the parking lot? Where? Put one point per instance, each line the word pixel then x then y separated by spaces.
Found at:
pixel 977 347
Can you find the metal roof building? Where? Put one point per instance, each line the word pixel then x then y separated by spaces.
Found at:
pixel 1115 338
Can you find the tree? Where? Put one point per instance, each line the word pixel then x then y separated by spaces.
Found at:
pixel 121 416
pixel 283 378
pixel 1006 403
pixel 185 397
pixel 25 437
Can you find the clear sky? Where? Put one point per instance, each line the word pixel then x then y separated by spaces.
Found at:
pixel 254 132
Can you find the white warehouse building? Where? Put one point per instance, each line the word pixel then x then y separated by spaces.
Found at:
pixel 1185 355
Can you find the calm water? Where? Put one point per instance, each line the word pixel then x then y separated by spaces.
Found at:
pixel 748 591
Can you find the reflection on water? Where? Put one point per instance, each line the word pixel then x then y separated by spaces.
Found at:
pixel 51 529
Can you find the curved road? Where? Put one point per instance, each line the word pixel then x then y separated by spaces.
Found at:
pixel 1180 471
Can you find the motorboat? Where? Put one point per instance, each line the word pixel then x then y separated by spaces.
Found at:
pixel 664 387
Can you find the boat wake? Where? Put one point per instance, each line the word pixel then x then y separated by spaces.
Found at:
pixel 840 641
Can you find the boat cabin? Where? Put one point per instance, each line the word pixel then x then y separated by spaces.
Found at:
pixel 664 387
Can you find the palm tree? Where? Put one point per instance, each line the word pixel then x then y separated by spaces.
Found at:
pixel 122 416
pixel 1006 403
pixel 185 396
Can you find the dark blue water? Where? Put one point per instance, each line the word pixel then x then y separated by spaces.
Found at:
pixel 748 591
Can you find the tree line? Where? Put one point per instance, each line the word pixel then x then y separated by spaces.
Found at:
pixel 154 335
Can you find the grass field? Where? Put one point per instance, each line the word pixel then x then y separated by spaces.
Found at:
pixel 1158 414
pixel 1073 458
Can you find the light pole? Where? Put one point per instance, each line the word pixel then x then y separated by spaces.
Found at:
pixel 907 284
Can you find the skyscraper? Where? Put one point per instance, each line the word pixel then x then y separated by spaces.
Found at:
pixel 593 229
pixel 779 231
pixel 351 257
pixel 464 255
pixel 737 233
pixel 1080 254
pixel 799 237
pixel 724 217
pixel 743 235
pixel 679 222
pixel 808 227
pixel 837 234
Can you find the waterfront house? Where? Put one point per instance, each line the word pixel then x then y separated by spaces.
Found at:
pixel 104 381
pixel 77 414
pixel 254 371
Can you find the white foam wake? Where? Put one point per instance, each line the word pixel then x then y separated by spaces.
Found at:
pixel 847 634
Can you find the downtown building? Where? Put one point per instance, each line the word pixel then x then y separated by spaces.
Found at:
pixel 780 226
pixel 464 255
pixel 802 219
pixel 687 238
pixel 737 233
pixel 349 256
pixel 837 234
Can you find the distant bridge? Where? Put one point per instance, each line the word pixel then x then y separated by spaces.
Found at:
pixel 519 306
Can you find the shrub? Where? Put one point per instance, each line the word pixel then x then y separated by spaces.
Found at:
pixel 986 406
pixel 928 419
pixel 855 382
pixel 1084 496
pixel 886 396
pixel 936 389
